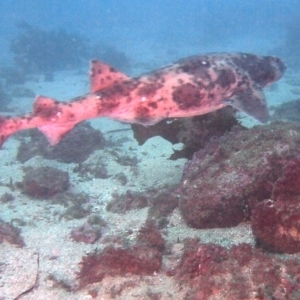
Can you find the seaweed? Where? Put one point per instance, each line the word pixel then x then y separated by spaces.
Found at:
pixel 38 51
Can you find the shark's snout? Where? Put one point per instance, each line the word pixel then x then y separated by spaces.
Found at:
pixel 279 67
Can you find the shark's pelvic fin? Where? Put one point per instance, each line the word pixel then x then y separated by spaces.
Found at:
pixel 252 102
pixel 54 133
pixel 48 109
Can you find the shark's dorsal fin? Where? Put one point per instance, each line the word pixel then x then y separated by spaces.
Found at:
pixel 252 102
pixel 103 76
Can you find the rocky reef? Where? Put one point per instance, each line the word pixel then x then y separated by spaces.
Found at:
pixel 223 182
pixel 240 272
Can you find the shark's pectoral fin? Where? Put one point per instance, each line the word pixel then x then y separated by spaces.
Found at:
pixel 103 76
pixel 252 102
pixel 55 133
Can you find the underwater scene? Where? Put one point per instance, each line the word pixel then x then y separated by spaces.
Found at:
pixel 150 150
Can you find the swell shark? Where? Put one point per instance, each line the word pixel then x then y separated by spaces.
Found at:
pixel 192 86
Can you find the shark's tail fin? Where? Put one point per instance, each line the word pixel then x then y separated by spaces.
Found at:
pixel 5 131
pixel 46 116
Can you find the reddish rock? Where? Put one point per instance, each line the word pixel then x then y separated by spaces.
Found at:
pixel 150 236
pixel 287 187
pixel 112 261
pixel 224 181
pixel 241 272
pixel 276 225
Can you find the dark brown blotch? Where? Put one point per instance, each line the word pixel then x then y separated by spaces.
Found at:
pixel 226 78
pixel 142 113
pixel 148 90
pixel 187 96
pixel 45 111
pixel 152 104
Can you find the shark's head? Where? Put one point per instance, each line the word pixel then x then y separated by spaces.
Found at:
pixel 267 70
pixel 263 70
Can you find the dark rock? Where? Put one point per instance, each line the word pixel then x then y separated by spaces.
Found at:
pixel 10 234
pixel 128 201
pixel 69 199
pixel 90 231
pixel 224 181
pixel 6 197
pixel 86 233
pixel 76 211
pixel 92 169
pixel 44 182
pixel 122 178
pixel 161 203
pixel 75 147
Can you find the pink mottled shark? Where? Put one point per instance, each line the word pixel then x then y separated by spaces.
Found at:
pixel 192 86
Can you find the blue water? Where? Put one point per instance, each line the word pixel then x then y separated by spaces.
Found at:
pixel 201 25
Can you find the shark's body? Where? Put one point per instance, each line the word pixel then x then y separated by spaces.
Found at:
pixel 193 86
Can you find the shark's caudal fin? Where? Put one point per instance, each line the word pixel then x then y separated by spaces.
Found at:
pixel 45 117
pixel 103 76
pixel 4 134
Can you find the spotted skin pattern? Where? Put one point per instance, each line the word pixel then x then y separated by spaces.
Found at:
pixel 193 86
